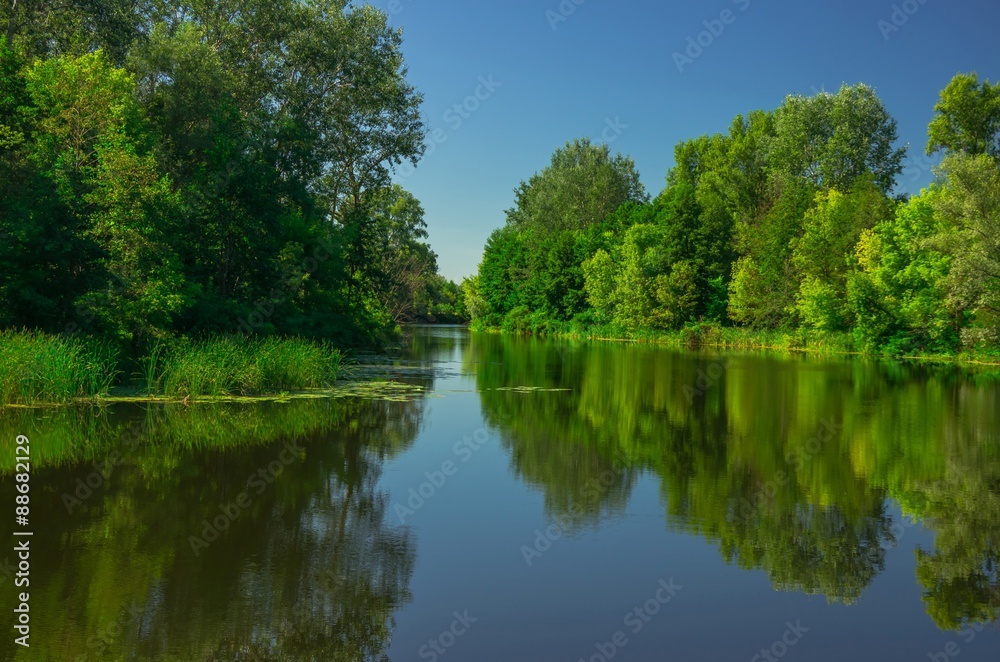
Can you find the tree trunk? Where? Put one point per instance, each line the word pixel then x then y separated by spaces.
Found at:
pixel 11 23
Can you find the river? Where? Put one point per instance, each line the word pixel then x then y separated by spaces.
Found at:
pixel 525 500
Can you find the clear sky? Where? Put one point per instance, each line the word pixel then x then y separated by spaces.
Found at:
pixel 548 71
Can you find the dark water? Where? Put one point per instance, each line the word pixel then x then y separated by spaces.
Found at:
pixel 540 501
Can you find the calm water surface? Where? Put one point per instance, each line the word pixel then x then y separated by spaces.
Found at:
pixel 536 501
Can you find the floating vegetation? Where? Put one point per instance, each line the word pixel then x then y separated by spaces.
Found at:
pixel 371 390
pixel 528 389
pixel 385 391
pixel 379 390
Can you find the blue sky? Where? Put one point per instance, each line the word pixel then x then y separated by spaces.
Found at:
pixel 529 75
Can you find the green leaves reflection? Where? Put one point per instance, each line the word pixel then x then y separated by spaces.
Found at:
pixel 311 570
pixel 743 460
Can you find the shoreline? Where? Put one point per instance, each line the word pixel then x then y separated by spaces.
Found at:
pixel 380 389
pixel 819 344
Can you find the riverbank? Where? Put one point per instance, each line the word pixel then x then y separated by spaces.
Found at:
pixel 714 336
pixel 43 368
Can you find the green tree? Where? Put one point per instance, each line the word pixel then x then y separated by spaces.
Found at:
pixel 970 207
pixel 581 186
pixel 48 28
pixel 824 254
pixel 763 287
pixel 599 274
pixel 832 140
pixel 967 118
pixel 392 257
pixel 897 295
pixel 93 143
pixel 43 256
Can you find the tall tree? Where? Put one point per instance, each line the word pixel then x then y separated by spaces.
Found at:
pixel 970 208
pixel 831 140
pixel 581 186
pixel 967 118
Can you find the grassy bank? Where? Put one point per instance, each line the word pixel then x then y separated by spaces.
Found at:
pixel 35 367
pixel 249 366
pixel 735 338
pixel 41 368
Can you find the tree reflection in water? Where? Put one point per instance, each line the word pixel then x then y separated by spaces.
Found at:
pixel 742 461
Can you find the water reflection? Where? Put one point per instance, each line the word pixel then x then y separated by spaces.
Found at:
pixel 310 568
pixel 786 464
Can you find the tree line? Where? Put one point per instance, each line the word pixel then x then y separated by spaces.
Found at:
pixel 788 221
pixel 208 167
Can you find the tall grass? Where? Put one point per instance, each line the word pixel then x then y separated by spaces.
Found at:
pixel 36 367
pixel 246 366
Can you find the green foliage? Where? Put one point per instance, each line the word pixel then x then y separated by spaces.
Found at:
pixel 785 470
pixel 563 216
pixel 967 118
pixel 178 460
pixel 502 259
pixel 599 275
pixel 442 301
pixel 580 187
pixel 640 264
pixel 36 367
pixel 224 366
pixel 387 255
pixel 897 296
pixel 474 304
pixel 762 289
pixel 823 254
pixel 784 225
pixel 969 206
pixel 832 140
pixel 206 168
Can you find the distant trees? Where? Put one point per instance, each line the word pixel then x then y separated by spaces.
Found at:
pixel 788 221
pixel 532 267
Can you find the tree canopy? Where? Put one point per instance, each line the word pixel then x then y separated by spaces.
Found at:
pixel 208 167
pixel 789 222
